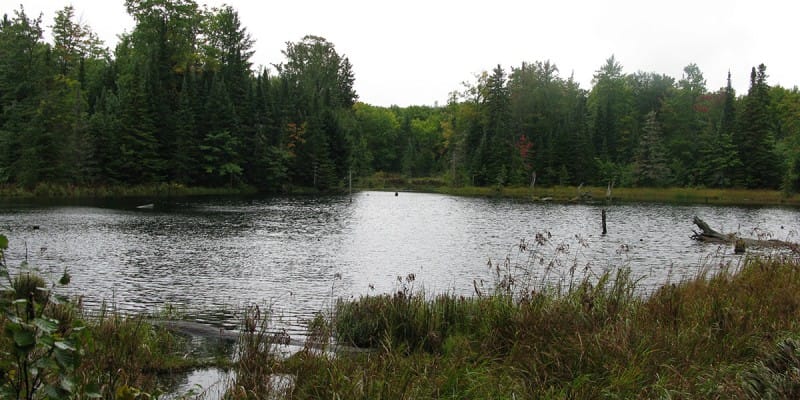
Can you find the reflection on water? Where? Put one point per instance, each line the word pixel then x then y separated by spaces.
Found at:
pixel 211 383
pixel 209 257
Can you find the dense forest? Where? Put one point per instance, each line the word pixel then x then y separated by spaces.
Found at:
pixel 178 100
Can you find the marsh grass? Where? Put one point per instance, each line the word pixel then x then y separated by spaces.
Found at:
pixel 665 195
pixel 257 364
pixel 50 349
pixel 730 332
pixel 50 190
pixel 128 352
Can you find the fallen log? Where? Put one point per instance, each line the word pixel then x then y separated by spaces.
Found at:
pixel 707 234
pixel 201 330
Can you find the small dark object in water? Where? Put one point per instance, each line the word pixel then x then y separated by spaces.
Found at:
pixel 739 247
pixel 395 194
pixel 35 227
pixel 603 217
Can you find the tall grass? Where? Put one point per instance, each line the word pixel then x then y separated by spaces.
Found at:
pixel 128 352
pixel 50 349
pixel 256 368
pixel 667 195
pixel 733 331
pixel 698 195
pixel 63 191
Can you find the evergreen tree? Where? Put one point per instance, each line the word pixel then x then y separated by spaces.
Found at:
pixel 756 143
pixel 28 151
pixel 183 164
pixel 499 138
pixel 104 127
pixel 684 123
pixel 74 42
pixel 221 160
pixel 651 167
pixel 610 114
pixel 318 85
pixel 139 160
pixel 719 159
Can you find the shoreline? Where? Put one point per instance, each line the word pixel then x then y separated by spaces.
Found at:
pixel 556 194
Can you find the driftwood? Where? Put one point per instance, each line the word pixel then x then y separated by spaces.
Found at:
pixel 707 234
pixel 201 330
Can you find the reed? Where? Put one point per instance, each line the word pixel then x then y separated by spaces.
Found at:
pixel 257 362
pixel 665 195
pixel 730 332
pixel 65 191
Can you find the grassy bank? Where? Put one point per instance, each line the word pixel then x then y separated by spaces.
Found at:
pixel 585 193
pixel 665 195
pixel 94 192
pixel 392 182
pixel 732 332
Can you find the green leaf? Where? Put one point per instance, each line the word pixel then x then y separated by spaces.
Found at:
pixel 47 340
pixel 24 338
pixel 47 326
pixel 54 392
pixel 67 384
pixel 46 364
pixel 65 358
pixel 3 242
pixel 92 391
pixel 64 346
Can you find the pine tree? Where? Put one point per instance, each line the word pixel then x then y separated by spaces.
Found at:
pixel 318 87
pixel 23 72
pixel 756 142
pixel 183 163
pixel 220 146
pixel 499 137
pixel 719 156
pixel 651 167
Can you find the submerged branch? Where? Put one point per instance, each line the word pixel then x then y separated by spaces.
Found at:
pixel 707 234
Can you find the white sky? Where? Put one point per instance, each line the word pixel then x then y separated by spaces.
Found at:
pixel 415 52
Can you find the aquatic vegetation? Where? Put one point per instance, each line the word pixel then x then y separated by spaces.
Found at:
pixel 50 349
pixel 730 332
pixel 545 327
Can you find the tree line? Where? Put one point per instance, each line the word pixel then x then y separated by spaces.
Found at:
pixel 178 100
pixel 639 129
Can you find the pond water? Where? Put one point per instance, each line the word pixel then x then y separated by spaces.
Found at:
pixel 210 257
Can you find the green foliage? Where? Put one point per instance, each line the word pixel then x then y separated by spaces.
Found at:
pixel 124 354
pixel 651 160
pixel 730 332
pixel 178 101
pixel 41 354
pixel 756 140
pixel 49 351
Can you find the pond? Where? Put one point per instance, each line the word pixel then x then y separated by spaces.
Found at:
pixel 209 257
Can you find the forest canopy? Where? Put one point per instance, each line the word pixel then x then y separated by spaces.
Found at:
pixel 178 100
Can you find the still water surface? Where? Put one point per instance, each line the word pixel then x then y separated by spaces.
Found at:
pixel 210 257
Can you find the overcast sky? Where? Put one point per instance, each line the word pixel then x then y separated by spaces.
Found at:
pixel 415 52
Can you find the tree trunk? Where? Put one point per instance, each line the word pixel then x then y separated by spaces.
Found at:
pixel 707 234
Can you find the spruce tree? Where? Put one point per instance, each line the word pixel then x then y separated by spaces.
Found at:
pixel 650 162
pixel 756 142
